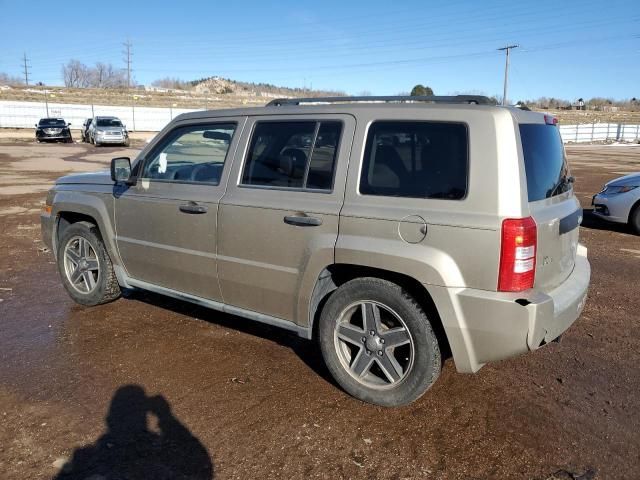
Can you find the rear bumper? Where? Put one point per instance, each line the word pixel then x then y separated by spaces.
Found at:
pixel 484 326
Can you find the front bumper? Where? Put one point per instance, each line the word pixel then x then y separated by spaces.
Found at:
pixel 613 208
pixel 46 227
pixel 116 139
pixel 47 136
pixel 489 326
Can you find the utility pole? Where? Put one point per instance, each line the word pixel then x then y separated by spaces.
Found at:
pixel 127 59
pixel 25 68
pixel 506 71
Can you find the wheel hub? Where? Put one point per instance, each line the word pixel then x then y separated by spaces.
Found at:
pixel 373 343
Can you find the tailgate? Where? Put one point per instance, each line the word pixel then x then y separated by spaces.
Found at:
pixel 557 220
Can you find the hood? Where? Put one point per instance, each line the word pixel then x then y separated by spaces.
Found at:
pixel 91 178
pixel 633 179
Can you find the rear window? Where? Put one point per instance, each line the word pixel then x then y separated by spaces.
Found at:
pixel 544 160
pixel 108 122
pixel 52 122
pixel 416 159
pixel 294 154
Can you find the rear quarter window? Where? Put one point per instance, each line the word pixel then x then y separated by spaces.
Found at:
pixel 416 160
pixel 544 160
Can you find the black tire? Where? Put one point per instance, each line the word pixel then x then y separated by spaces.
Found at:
pixel 426 364
pixel 634 219
pixel 106 287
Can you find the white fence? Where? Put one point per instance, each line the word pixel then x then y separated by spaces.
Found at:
pixel 599 132
pixel 147 119
pixel 27 114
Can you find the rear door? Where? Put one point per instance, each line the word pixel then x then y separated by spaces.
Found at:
pixel 554 207
pixel 166 224
pixel 278 221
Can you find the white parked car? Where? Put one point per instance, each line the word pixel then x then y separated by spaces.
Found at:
pixel 619 201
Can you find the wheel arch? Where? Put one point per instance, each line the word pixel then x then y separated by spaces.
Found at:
pixel 633 210
pixel 335 275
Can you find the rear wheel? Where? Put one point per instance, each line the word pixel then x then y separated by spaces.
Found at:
pixel 378 343
pixel 634 220
pixel 85 267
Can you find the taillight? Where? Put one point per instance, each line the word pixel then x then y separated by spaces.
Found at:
pixel 518 254
pixel 549 120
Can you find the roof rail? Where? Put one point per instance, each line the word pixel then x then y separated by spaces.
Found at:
pixel 469 99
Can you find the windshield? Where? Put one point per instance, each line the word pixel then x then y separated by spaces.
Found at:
pixel 52 122
pixel 108 122
pixel 544 161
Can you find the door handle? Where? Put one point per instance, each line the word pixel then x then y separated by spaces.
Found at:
pixel 302 221
pixel 193 208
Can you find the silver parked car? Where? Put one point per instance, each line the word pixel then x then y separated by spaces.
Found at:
pixel 619 201
pixel 388 229
pixel 108 130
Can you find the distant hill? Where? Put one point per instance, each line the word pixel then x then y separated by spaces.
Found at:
pixel 221 86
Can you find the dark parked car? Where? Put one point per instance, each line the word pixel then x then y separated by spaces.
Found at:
pixel 53 129
pixel 84 131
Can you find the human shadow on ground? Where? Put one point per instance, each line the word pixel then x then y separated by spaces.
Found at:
pixel 129 449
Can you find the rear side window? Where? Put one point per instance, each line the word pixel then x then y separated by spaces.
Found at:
pixel 544 160
pixel 298 155
pixel 416 159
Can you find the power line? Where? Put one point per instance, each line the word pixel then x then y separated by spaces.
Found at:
pixel 507 49
pixel 127 45
pixel 25 68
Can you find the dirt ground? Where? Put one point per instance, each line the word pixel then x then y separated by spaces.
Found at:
pixel 148 387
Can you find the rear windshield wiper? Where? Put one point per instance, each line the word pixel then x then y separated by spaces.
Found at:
pixel 564 180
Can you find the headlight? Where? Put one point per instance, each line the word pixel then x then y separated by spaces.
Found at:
pixel 613 189
pixel 100 132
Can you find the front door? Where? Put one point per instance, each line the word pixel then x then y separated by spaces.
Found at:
pixel 166 223
pixel 278 221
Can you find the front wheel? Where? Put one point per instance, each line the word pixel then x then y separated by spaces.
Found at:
pixel 85 267
pixel 378 343
pixel 634 220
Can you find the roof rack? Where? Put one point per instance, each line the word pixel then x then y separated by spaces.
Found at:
pixel 469 99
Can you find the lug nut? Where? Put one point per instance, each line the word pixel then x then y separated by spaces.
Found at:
pixel 372 333
pixel 379 353
pixel 382 340
pixel 368 352
pixel 364 339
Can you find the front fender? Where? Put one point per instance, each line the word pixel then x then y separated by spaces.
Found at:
pixel 97 205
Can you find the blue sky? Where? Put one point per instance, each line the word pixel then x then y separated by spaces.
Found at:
pixel 568 49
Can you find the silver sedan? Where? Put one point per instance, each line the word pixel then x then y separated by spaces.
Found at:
pixel 619 201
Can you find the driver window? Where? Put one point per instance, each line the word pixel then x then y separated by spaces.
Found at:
pixel 193 154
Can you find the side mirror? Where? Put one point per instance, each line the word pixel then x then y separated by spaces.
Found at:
pixel 120 169
pixel 69 124
pixel 35 125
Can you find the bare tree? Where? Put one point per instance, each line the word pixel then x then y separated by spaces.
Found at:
pixel 76 74
pixel 6 79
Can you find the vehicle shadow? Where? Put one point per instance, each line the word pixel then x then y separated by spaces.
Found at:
pixel 129 449
pixel 307 351
pixel 592 222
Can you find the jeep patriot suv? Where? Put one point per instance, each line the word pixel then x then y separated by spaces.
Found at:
pixel 393 231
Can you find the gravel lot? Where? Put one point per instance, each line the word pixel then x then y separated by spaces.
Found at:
pixel 155 388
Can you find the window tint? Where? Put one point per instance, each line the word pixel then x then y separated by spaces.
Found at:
pixel 416 159
pixel 283 154
pixel 108 122
pixel 544 161
pixel 191 154
pixel 52 122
